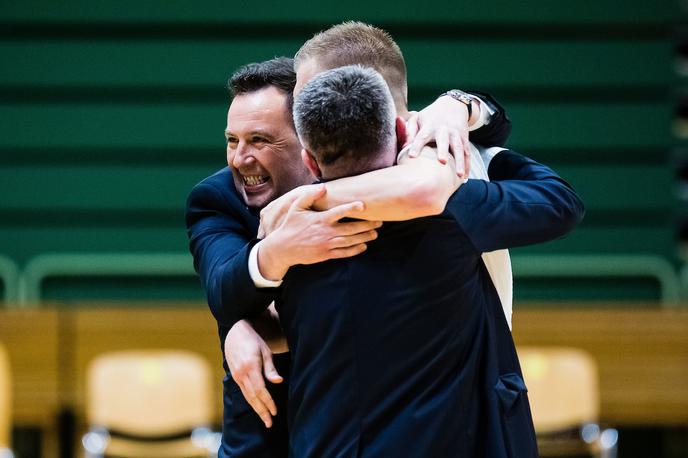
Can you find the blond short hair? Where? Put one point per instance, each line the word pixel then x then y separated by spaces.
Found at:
pixel 351 43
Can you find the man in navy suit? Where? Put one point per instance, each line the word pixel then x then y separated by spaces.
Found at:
pixel 222 221
pixel 355 42
pixel 404 350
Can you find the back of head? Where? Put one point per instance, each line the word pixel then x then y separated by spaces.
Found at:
pixel 278 72
pixel 351 43
pixel 345 118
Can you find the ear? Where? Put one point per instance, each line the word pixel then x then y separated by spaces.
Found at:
pixel 401 132
pixel 310 162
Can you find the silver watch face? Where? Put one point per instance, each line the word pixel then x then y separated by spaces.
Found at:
pixel 460 96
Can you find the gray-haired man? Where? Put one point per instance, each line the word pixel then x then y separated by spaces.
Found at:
pixel 404 350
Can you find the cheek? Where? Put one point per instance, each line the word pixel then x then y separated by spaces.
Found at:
pixel 230 156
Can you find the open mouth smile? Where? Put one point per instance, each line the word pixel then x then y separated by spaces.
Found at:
pixel 254 180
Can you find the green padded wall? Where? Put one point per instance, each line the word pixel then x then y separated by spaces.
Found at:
pixel 112 110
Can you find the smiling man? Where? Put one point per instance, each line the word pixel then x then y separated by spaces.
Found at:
pixel 260 144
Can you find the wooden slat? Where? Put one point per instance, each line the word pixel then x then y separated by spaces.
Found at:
pixel 553 63
pixel 55 228
pixel 132 188
pixel 554 125
pixel 494 63
pixel 23 242
pixel 642 356
pixel 33 345
pixel 405 12
pixel 163 187
pixel 616 239
pixel 634 186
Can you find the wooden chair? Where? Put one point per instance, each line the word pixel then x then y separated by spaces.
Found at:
pixel 564 398
pixel 5 405
pixel 149 404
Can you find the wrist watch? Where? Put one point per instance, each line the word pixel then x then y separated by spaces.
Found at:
pixel 461 97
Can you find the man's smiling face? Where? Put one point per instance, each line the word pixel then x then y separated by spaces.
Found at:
pixel 263 150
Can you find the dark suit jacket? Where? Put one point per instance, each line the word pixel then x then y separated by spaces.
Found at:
pixel 404 350
pixel 222 231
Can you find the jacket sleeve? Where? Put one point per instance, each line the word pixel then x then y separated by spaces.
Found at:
pixel 497 131
pixel 221 235
pixel 525 203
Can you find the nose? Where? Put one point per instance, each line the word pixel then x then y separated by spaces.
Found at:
pixel 239 156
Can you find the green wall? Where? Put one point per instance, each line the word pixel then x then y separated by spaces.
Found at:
pixel 110 112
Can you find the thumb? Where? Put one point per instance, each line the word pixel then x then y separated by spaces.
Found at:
pixel 269 369
pixel 411 129
pixel 310 196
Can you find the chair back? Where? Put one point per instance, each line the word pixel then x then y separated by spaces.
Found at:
pixel 562 387
pixel 149 393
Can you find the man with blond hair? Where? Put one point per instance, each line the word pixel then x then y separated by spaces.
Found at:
pixel 359 43
pixel 221 227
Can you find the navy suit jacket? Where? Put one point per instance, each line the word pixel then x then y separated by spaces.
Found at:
pixel 404 350
pixel 222 230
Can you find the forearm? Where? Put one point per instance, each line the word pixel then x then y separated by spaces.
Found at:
pixel 220 241
pixel 525 203
pixel 231 293
pixel 413 189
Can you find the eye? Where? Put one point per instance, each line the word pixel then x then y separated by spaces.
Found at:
pixel 259 139
pixel 232 141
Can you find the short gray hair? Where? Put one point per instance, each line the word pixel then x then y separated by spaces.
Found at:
pixel 345 115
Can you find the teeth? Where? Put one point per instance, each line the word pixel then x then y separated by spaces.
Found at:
pixel 254 180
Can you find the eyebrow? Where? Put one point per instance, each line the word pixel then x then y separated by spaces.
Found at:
pixel 262 133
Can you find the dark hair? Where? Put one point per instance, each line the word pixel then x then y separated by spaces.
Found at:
pixel 278 72
pixel 346 115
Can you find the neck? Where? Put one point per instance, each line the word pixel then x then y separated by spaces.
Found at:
pixel 350 168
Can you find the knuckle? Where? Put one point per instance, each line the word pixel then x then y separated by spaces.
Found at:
pixel 239 371
pixel 246 366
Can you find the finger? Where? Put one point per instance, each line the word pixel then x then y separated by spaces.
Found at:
pixel 460 162
pixel 356 227
pixel 442 141
pixel 352 209
pixel 422 139
pixel 250 395
pixel 259 398
pixel 309 197
pixel 260 409
pixel 466 149
pixel 262 393
pixel 269 369
pixel 352 240
pixel 455 144
pixel 348 252
pixel 411 129
pixel 267 209
pixel 268 402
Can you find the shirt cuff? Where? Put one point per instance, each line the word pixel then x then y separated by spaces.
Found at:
pixel 485 115
pixel 254 271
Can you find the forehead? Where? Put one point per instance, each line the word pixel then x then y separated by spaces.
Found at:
pixel 306 71
pixel 264 110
